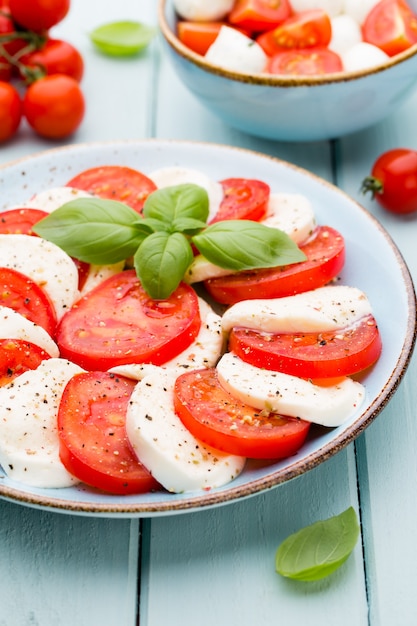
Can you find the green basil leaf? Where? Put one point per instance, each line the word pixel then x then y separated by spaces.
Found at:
pixel 318 550
pixel 187 225
pixel 171 204
pixel 122 38
pixel 244 244
pixel 161 262
pixel 94 230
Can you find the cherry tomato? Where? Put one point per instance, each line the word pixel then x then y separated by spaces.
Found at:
pixel 20 221
pixel 56 57
pixel 310 355
pixel 18 356
pixel 10 111
pixel 244 199
pixel 38 15
pixel 117 323
pixel 393 180
pixel 23 295
pixel 325 253
pixel 391 25
pixel 54 106
pixel 305 62
pixel 259 15
pixel 307 29
pixel 93 445
pixel 215 417
pixel 115 182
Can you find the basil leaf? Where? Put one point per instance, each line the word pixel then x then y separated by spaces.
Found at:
pixel 161 262
pixel 171 204
pixel 122 38
pixel 318 550
pixel 94 230
pixel 187 225
pixel 244 244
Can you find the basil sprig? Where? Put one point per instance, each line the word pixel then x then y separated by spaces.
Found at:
pixel 161 241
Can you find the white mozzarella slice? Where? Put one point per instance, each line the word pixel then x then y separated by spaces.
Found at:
pixel 170 176
pixel 98 273
pixel 202 10
pixel 320 310
pixel 346 33
pixel 202 269
pixel 46 264
pixel 236 52
pixel 53 198
pixel 29 444
pixel 166 448
pixel 15 326
pixel 363 56
pixel 291 213
pixel 289 395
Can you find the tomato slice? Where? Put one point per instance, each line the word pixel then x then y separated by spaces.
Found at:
pixel 244 199
pixel 118 323
pixel 325 253
pixel 305 62
pixel 115 182
pixel 23 295
pixel 18 356
pixel 20 221
pixel 306 29
pixel 391 25
pixel 259 15
pixel 215 417
pixel 311 355
pixel 93 445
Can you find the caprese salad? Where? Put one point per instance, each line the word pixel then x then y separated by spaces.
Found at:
pixel 104 384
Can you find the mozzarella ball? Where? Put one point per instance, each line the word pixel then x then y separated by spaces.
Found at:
pixel 332 7
pixel 359 9
pixel 234 51
pixel 346 33
pixel 203 10
pixel 363 56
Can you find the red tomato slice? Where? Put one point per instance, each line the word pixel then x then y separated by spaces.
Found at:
pixel 118 323
pixel 93 445
pixel 115 182
pixel 305 62
pixel 325 253
pixel 391 25
pixel 259 15
pixel 215 417
pixel 311 355
pixel 23 295
pixel 20 221
pixel 18 356
pixel 307 29
pixel 244 199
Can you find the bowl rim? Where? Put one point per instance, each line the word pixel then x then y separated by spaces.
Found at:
pixel 268 80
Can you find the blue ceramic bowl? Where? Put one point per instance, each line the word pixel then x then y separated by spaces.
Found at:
pixel 292 108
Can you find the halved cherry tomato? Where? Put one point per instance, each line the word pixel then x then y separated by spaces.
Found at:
pixel 17 356
pixel 23 295
pixel 305 62
pixel 93 445
pixel 310 355
pixel 307 29
pixel 391 26
pixel 56 57
pixel 325 253
pixel 115 182
pixel 20 221
pixel 118 323
pixel 198 36
pixel 259 15
pixel 244 199
pixel 215 417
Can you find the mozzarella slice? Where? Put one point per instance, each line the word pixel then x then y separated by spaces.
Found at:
pixel 54 198
pixel 98 273
pixel 29 444
pixel 46 264
pixel 289 395
pixel 16 326
pixel 320 310
pixel 235 51
pixel 291 213
pixel 166 448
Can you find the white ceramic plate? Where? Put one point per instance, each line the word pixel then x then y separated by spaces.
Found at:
pixel 372 261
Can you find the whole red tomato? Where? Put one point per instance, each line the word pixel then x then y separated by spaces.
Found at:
pixel 54 106
pixel 38 15
pixel 10 110
pixel 393 180
pixel 56 57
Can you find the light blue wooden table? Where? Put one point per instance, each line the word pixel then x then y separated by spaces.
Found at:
pixel 217 566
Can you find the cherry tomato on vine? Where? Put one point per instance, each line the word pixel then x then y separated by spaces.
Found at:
pixel 38 15
pixel 10 110
pixel 54 106
pixel 56 57
pixel 393 180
